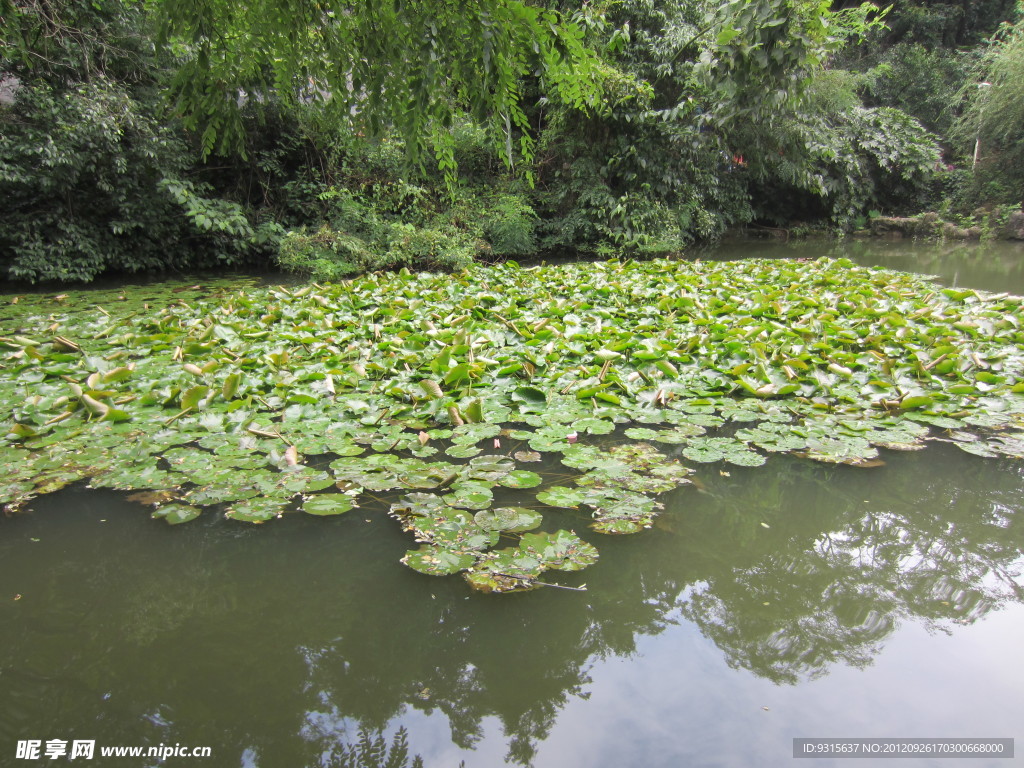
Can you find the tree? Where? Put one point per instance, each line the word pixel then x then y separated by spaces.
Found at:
pixel 994 116
pixel 93 175
pixel 722 95
pixel 407 65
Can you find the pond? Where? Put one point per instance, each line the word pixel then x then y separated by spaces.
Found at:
pixel 794 600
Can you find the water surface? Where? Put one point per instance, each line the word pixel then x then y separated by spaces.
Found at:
pixel 792 600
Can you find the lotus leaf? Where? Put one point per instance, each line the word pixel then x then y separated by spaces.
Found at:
pixel 470 496
pixel 776 438
pixel 419 504
pixel 459 451
pixel 619 525
pixel 641 433
pixel 594 426
pixel 505 570
pixel 977 448
pixel 560 496
pixel 854 451
pixel 454 529
pixel 219 493
pixel 527 456
pixel 562 550
pixel 711 449
pixel 470 434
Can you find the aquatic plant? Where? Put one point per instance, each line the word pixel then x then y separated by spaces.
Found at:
pixel 260 401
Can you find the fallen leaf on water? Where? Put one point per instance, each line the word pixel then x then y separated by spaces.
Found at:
pixel 151 497
pixel 291 456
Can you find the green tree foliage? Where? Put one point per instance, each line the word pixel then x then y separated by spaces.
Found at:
pixel 928 63
pixel 359 211
pixel 994 117
pixel 639 125
pixel 947 24
pixel 78 173
pixel 760 55
pixel 838 164
pixel 924 56
pixel 732 107
pixel 92 175
pixel 921 81
pixel 406 65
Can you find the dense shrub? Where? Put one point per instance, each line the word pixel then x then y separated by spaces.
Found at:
pixel 993 120
pixel 863 159
pixel 921 81
pixel 79 175
pixel 93 174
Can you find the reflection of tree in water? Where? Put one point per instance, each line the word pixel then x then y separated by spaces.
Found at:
pixel 825 583
pixel 352 645
pixel 942 554
pixel 372 750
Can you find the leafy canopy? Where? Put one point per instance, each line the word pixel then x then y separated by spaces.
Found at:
pixel 406 64
pixel 995 108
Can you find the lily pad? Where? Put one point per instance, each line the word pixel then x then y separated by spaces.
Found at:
pixel 437 561
pixel 509 519
pixel 521 478
pixel 328 504
pixel 527 456
pixel 641 433
pixel 561 550
pixel 561 496
pixel 470 497
pixel 222 397
pixel 174 514
pixel 505 570
pixel 462 451
pixel 593 426
pixel 711 449
pixel 620 526
pixel 854 451
pixel 256 510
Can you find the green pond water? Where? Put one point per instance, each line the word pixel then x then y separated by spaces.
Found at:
pixel 787 601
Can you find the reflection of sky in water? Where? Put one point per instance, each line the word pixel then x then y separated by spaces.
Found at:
pixel 894 608
pixel 677 704
pixel 938 660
